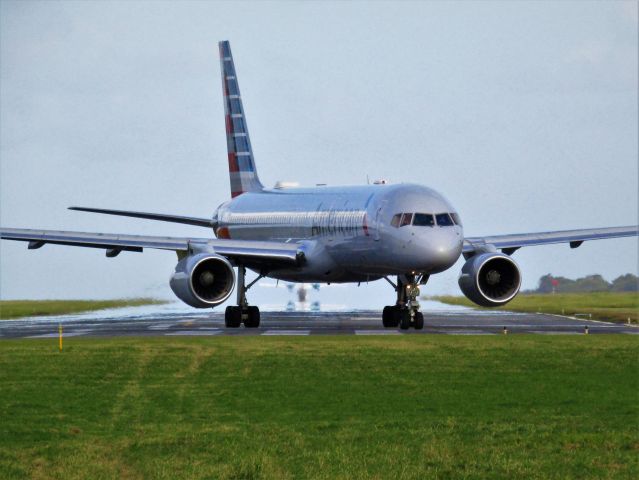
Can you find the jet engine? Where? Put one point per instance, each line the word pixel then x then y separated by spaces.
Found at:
pixel 203 280
pixel 490 279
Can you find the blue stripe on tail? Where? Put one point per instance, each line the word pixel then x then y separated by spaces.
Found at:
pixel 238 143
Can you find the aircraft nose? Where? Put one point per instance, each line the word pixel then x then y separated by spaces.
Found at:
pixel 444 248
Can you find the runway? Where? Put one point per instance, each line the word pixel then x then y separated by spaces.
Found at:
pixel 165 322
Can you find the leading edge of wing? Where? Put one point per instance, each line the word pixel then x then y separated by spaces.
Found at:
pixel 199 222
pixel 518 240
pixel 255 251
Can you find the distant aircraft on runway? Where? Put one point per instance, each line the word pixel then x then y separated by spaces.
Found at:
pixel 321 235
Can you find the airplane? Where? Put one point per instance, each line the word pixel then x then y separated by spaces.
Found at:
pixel 323 234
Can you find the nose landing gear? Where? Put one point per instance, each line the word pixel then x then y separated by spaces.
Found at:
pixel 243 312
pixel 405 313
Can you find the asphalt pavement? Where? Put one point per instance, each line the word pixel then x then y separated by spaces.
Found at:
pixel 149 323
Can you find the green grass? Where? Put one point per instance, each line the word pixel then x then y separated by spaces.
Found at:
pixel 516 406
pixel 28 308
pixel 607 306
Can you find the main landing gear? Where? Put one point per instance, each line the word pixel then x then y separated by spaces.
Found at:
pixel 405 313
pixel 234 316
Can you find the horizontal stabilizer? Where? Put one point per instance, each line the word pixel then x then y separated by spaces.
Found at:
pixel 199 222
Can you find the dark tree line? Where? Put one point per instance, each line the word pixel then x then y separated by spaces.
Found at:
pixel 589 283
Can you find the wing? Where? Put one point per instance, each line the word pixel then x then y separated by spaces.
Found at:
pixel 509 243
pixel 252 253
pixel 199 222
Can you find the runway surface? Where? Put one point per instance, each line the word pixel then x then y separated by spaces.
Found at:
pixel 176 321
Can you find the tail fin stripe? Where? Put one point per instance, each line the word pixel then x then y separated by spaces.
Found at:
pixel 233 167
pixel 242 169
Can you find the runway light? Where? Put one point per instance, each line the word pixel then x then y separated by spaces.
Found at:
pixel 585 329
pixel 60 335
pixel 505 331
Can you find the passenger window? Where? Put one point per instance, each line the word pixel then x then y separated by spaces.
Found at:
pixel 395 220
pixel 444 220
pixel 456 219
pixel 407 219
pixel 423 220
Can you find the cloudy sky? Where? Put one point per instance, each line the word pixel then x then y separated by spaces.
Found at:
pixel 523 114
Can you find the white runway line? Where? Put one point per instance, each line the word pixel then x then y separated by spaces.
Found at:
pixel 287 332
pixel 631 333
pixel 64 334
pixel 377 332
pixel 161 326
pixel 194 332
pixel 466 332
pixel 548 332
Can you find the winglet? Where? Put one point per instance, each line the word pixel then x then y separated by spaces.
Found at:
pixel 240 154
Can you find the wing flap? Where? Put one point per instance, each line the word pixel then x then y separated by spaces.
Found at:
pixel 574 237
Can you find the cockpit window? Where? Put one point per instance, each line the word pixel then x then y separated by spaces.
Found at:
pixel 407 219
pixel 444 220
pixel 423 220
pixel 395 220
pixel 456 219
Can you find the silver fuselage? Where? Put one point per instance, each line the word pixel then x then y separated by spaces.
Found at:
pixel 346 232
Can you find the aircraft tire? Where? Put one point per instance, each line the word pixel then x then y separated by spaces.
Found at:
pixel 232 317
pixel 404 319
pixel 395 316
pixel 388 315
pixel 419 321
pixel 253 320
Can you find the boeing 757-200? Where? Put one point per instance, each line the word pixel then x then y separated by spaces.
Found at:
pixel 324 234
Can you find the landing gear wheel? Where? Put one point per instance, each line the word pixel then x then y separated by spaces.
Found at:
pixel 232 317
pixel 396 316
pixel 404 319
pixel 388 317
pixel 419 320
pixel 252 319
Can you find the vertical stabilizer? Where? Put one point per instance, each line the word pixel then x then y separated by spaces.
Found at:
pixel 241 163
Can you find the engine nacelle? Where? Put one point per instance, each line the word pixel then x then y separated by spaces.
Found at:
pixel 203 280
pixel 490 279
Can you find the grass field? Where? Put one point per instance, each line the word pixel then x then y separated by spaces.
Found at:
pixel 517 406
pixel 607 306
pixel 27 308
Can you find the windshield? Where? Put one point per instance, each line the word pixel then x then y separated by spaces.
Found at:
pixel 423 220
pixel 444 220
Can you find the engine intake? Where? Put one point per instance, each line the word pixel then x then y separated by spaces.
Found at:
pixel 203 280
pixel 490 279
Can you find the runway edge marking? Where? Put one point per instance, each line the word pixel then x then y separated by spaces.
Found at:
pixel 193 333
pixel 377 332
pixel 66 334
pixel 286 332
pixel 589 320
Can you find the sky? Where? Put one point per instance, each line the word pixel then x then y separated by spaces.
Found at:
pixel 523 114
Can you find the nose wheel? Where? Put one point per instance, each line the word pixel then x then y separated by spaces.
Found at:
pixel 234 316
pixel 405 313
